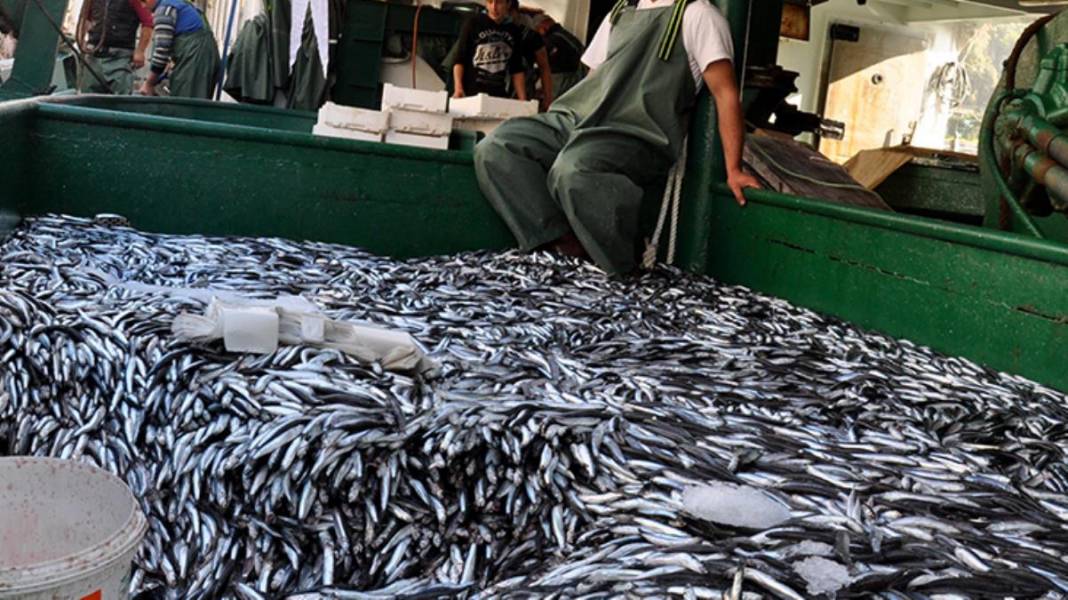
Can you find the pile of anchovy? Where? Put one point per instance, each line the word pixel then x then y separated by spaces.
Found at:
pixel 549 455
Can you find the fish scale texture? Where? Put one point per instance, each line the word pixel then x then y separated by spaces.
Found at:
pixel 551 454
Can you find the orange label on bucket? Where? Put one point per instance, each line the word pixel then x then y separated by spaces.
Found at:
pixel 94 596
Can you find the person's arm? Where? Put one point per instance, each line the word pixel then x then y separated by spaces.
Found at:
pixel 458 80
pixel 164 21
pixel 519 82
pixel 719 77
pixel 138 60
pixel 145 17
pixel 546 74
pixel 464 48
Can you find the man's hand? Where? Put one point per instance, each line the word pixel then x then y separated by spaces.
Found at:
pixel 719 77
pixel 738 181
pixel 458 92
pixel 138 59
pixel 148 89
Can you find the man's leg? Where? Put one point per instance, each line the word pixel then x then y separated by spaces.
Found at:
pixel 119 72
pixel 512 164
pixel 114 68
pixel 87 81
pixel 598 179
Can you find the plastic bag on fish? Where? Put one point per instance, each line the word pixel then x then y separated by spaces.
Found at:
pixel 257 326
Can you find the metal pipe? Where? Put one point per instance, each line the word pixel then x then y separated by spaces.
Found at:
pixel 1045 171
pixel 1045 137
pixel 987 156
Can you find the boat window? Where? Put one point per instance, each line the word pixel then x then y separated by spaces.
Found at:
pixel 900 77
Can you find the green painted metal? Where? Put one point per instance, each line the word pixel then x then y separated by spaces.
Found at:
pixel 1003 210
pixel 37 22
pixel 1023 152
pixel 15 123
pixel 183 176
pixel 997 298
pixel 932 189
pixel 198 110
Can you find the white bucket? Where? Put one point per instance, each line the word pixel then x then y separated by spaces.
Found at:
pixel 67 530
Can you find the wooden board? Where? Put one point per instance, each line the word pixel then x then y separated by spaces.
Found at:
pixel 872 167
pixel 875 88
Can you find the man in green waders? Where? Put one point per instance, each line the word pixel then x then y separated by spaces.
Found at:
pixel 182 36
pixel 107 32
pixel 575 175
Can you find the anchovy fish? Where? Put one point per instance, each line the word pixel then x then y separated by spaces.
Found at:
pixel 549 456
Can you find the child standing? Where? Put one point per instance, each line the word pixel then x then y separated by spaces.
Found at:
pixel 489 54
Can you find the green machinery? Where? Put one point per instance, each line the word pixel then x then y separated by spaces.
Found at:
pixel 1025 148
pixel 182 166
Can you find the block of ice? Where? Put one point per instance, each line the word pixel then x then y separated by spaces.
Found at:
pixel 734 505
pixel 809 548
pixel 822 576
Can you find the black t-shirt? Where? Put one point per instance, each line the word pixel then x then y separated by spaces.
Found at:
pixel 531 42
pixel 565 50
pixel 490 53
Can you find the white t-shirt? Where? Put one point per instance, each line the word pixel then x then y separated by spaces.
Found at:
pixel 705 35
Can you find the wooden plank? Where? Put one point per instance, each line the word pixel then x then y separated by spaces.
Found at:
pixel 875 88
pixel 871 167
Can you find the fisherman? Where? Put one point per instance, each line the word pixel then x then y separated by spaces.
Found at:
pixel 489 54
pixel 573 177
pixel 107 32
pixel 564 52
pixel 182 36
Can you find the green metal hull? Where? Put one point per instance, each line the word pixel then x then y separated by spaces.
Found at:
pixel 998 298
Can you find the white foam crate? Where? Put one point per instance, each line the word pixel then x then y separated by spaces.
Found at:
pixel 486 106
pixel 436 142
pixel 412 99
pixel 421 122
pixel 476 124
pixel 348 134
pixel 348 117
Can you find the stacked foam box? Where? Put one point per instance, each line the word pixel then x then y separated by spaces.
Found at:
pixel 417 117
pixel 484 113
pixel 351 123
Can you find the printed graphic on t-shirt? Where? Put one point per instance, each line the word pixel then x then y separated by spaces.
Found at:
pixel 490 54
pixel 492 57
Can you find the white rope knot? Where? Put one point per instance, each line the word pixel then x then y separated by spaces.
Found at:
pixel 672 198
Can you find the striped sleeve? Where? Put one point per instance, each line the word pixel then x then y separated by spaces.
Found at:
pixel 165 20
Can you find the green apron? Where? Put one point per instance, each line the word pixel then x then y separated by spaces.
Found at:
pixel 249 77
pixel 113 65
pixel 196 64
pixel 583 165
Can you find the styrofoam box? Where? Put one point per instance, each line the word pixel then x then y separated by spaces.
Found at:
pixel 412 99
pixel 349 134
pixel 362 119
pixel 421 122
pixel 437 142
pixel 476 124
pixel 486 106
